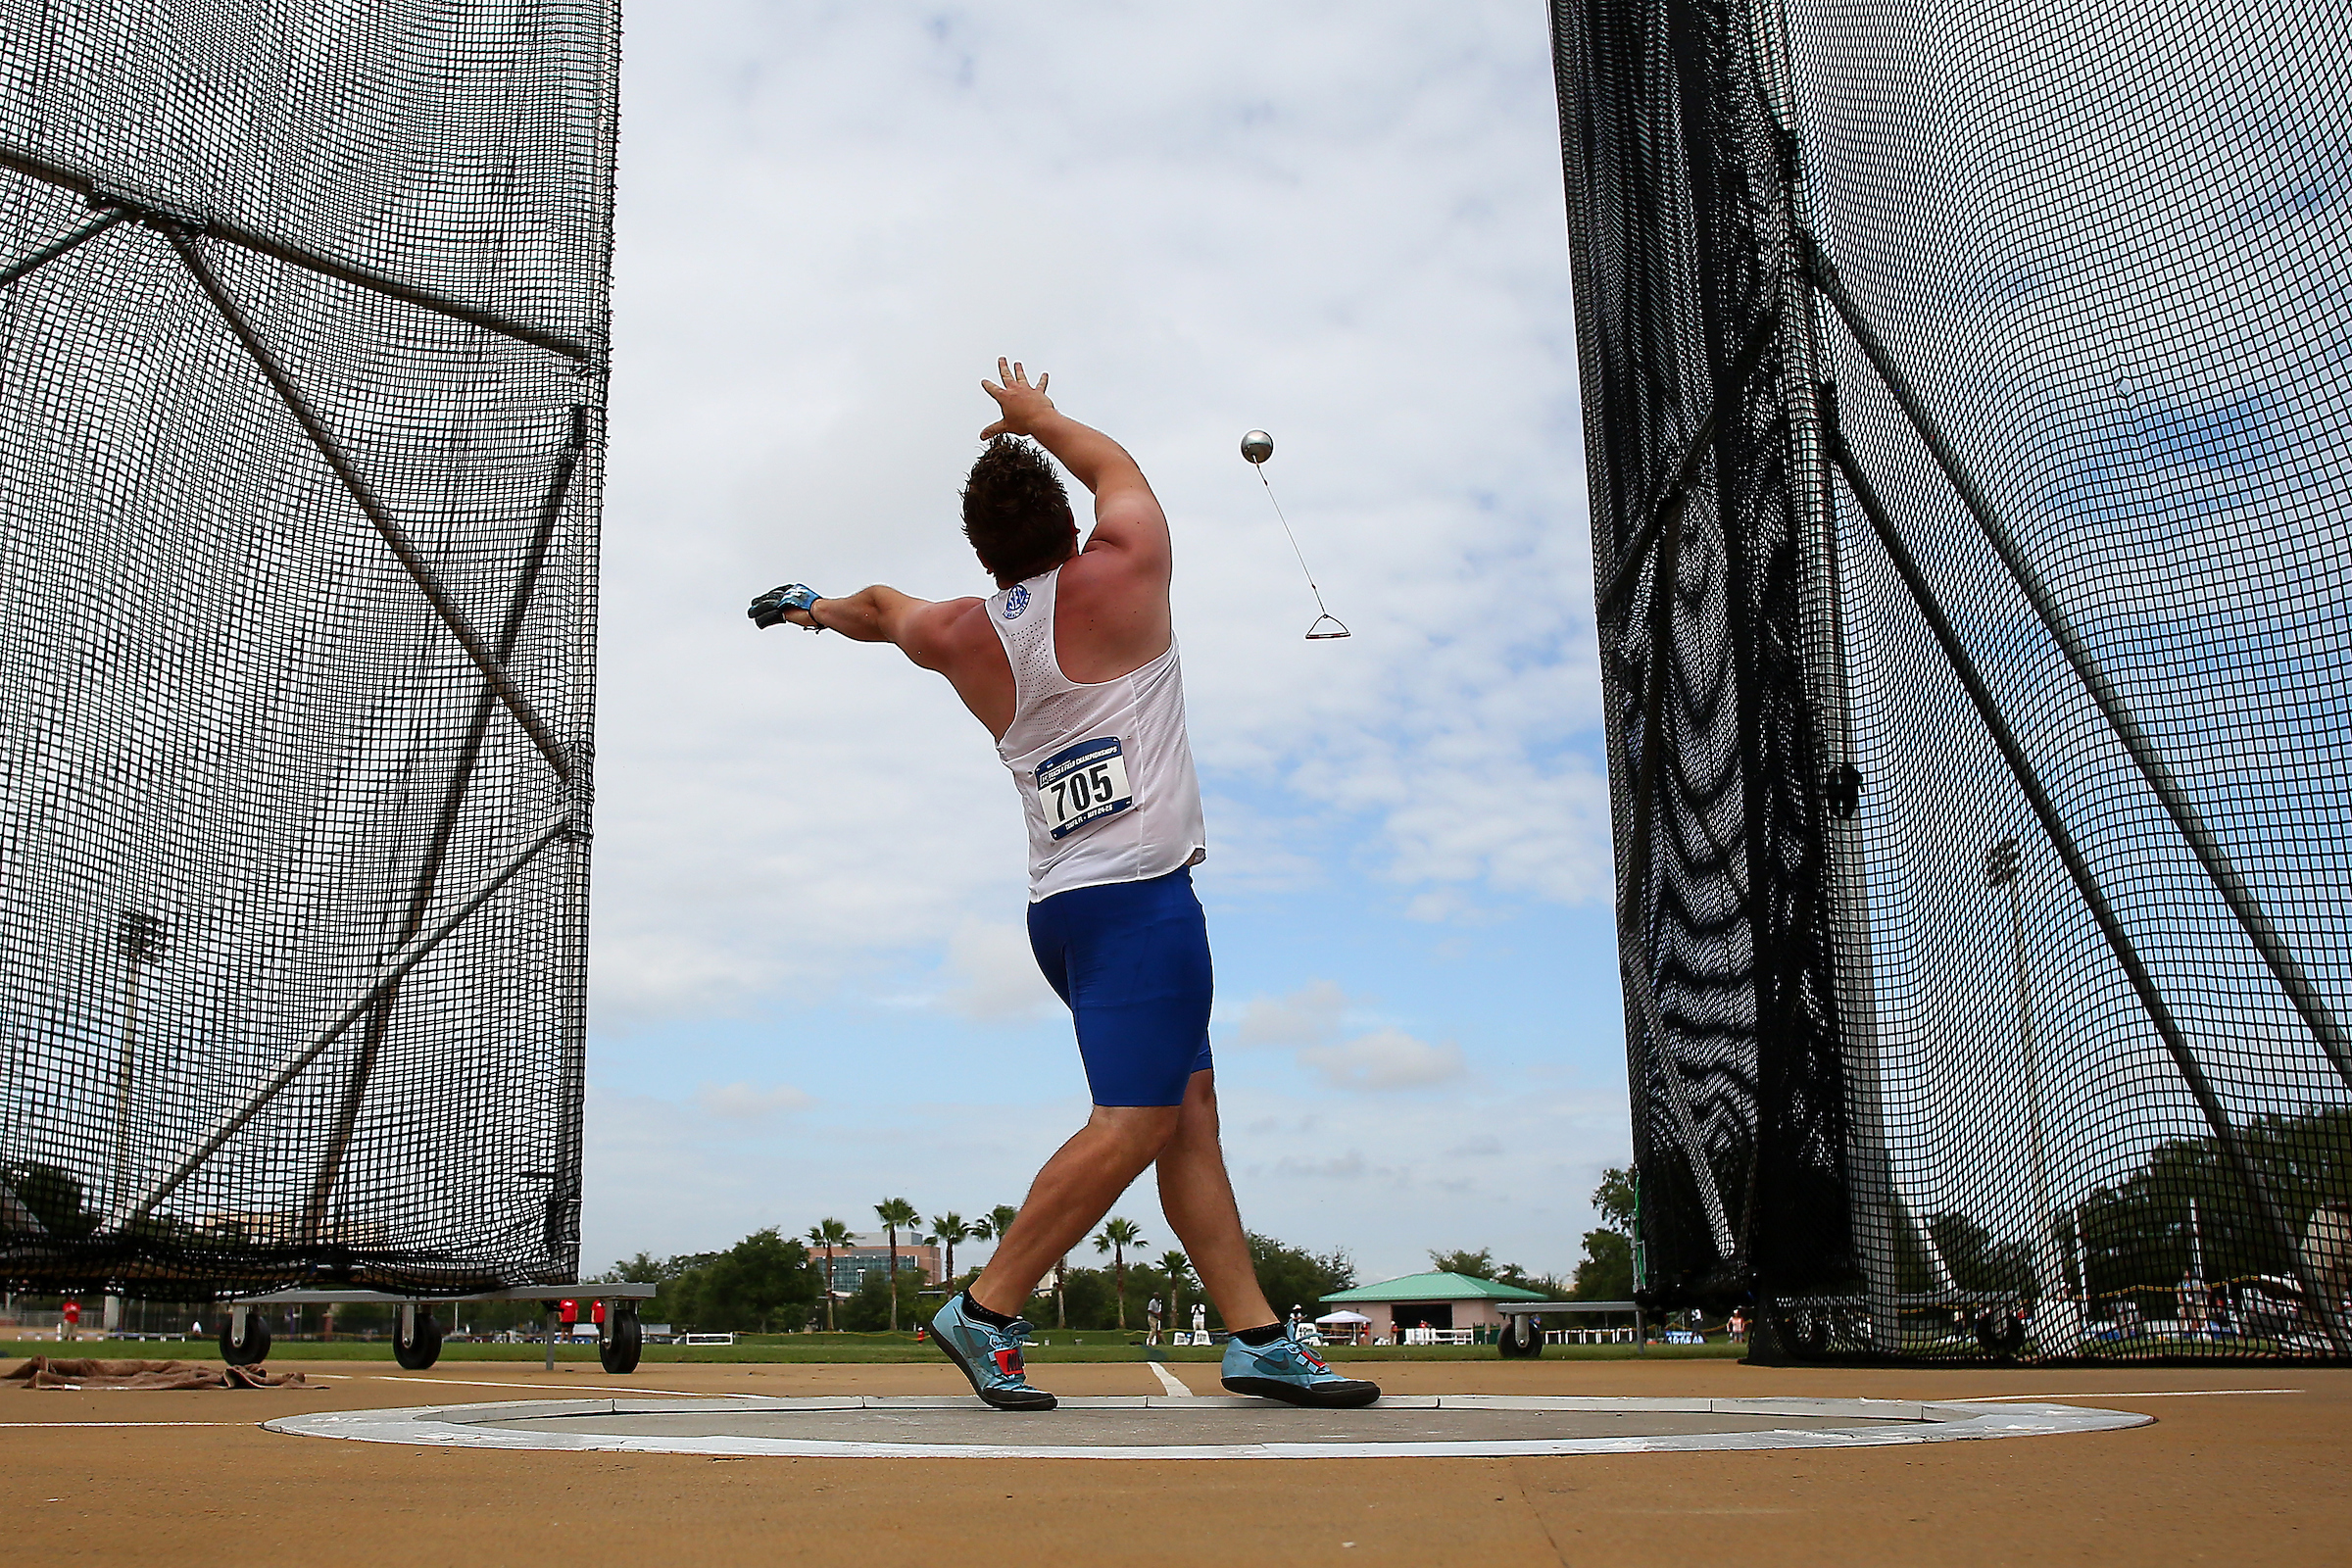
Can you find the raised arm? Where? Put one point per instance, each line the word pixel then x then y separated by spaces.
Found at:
pixel 1127 515
pixel 922 628
pixel 951 636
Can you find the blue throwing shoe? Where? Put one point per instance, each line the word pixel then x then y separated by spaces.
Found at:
pixel 989 1356
pixel 1289 1371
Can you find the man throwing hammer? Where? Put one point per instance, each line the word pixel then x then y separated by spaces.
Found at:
pixel 1072 665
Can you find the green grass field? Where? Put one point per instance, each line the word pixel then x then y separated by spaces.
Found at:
pixel 854 1348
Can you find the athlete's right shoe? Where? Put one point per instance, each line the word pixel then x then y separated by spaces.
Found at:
pixel 991 1356
pixel 1286 1370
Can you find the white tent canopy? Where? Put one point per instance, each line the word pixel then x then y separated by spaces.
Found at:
pixel 1342 1317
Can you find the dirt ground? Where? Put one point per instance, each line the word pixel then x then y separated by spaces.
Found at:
pixel 161 1479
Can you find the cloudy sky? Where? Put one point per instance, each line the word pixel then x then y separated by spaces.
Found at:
pixel 1340 222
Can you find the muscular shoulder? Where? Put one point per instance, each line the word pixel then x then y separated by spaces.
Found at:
pixel 957 641
pixel 1112 614
pixel 946 634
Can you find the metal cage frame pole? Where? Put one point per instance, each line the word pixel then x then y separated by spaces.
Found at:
pixel 56 248
pixel 88 186
pixel 453 800
pixel 126 1214
pixel 1658 540
pixel 428 581
pixel 1877 1210
pixel 2094 897
pixel 2318 1016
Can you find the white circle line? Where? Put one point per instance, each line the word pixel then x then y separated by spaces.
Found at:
pixel 467 1427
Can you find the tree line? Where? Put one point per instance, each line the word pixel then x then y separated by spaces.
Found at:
pixel 771 1283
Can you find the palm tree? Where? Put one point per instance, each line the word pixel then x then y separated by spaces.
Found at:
pixel 894 1213
pixel 1175 1265
pixel 1002 1217
pixel 829 1234
pixel 1062 1318
pixel 1115 1236
pixel 946 1231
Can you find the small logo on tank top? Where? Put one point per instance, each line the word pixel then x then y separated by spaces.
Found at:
pixel 1017 600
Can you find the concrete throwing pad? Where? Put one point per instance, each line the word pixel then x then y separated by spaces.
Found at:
pixel 1444 1426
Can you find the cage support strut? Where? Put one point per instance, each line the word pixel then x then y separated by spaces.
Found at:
pixel 2318 1016
pixel 1686 473
pixel 453 800
pixel 56 248
pixel 34 167
pixel 2119 941
pixel 128 1214
pixel 428 580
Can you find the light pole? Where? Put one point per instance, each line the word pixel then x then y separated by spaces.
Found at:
pixel 136 934
pixel 2003 863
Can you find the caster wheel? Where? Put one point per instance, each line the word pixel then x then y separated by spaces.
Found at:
pixel 1521 1336
pixel 1805 1334
pixel 622 1343
pixel 255 1347
pixel 424 1350
pixel 2001 1334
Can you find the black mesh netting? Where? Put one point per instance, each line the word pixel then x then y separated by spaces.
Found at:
pixel 301 403
pixel 1967 397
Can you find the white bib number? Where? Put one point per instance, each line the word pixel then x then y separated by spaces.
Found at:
pixel 1083 784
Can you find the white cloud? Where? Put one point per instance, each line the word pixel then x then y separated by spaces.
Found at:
pixel 1310 1022
pixel 996 974
pixel 747 1102
pixel 1388 1060
pixel 1306 1016
pixel 1341 223
pixel 1201 238
pixel 1347 1168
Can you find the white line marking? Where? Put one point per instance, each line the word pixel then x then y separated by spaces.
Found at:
pixel 2153 1393
pixel 482 1426
pixel 558 1388
pixel 1167 1381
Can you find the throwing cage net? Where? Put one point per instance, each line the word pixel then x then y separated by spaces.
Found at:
pixel 1967 406
pixel 302 321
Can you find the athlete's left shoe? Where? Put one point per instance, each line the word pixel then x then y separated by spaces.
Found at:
pixel 989 1356
pixel 1286 1370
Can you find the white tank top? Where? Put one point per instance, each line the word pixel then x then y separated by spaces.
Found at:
pixel 1105 771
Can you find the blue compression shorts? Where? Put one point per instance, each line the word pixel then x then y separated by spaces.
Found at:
pixel 1130 958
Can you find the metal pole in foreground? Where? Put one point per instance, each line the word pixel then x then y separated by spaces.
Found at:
pixel 2318 1016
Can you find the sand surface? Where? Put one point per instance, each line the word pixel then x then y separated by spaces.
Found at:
pixel 171 1477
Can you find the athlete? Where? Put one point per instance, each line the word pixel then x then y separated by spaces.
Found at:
pixel 1072 665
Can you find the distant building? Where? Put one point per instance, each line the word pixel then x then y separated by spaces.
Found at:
pixel 870 1255
pixel 1434 1300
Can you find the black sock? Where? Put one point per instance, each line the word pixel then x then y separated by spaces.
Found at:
pixel 995 1320
pixel 1253 1338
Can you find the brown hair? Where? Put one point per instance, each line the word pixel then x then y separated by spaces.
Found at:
pixel 1015 512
